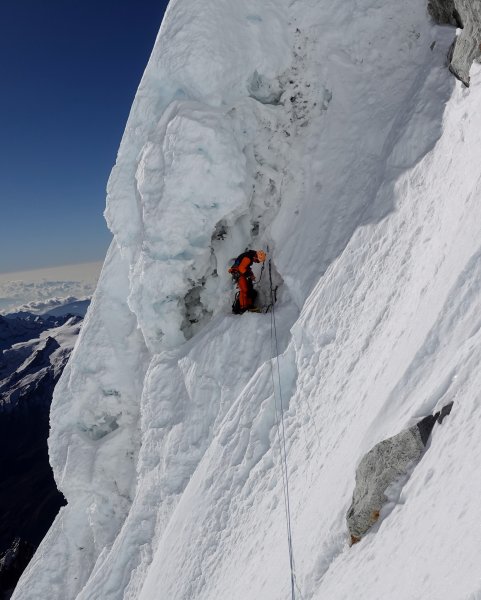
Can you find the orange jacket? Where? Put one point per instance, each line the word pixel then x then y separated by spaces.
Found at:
pixel 244 265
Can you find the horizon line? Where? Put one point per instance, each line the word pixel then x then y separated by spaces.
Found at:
pixel 49 267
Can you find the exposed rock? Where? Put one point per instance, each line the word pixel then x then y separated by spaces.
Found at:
pixel 465 14
pixel 17 328
pixel 444 12
pixel 382 466
pixel 12 563
pixel 444 412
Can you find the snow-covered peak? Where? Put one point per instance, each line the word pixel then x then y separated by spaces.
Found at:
pixel 29 369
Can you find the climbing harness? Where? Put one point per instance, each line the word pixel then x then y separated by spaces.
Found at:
pixel 281 433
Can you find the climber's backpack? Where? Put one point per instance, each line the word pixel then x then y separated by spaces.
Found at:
pixel 236 262
pixel 234 269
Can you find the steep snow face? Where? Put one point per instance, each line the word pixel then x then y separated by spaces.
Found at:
pixel 332 133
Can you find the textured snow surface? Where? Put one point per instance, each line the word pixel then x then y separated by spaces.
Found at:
pixel 332 133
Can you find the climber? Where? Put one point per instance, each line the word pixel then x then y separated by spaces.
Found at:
pixel 243 276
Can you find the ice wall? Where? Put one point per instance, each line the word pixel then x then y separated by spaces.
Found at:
pixel 333 134
pixel 185 171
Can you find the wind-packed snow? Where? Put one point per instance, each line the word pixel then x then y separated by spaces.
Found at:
pixel 332 134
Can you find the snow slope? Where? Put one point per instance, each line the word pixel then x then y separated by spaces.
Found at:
pixel 332 133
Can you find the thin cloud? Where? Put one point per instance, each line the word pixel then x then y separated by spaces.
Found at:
pixel 39 296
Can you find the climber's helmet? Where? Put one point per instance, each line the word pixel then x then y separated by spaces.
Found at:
pixel 261 255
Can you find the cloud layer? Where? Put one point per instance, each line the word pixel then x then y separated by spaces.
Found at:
pixel 40 296
pixel 41 290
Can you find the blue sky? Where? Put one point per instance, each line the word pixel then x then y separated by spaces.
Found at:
pixel 69 70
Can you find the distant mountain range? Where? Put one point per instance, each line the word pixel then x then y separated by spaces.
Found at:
pixel 33 353
pixel 69 308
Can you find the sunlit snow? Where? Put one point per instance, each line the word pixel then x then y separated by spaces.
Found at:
pixel 332 134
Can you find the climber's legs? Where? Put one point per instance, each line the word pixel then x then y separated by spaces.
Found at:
pixel 246 293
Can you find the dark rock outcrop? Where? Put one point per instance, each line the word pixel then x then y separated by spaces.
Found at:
pixel 385 464
pixel 12 564
pixel 29 500
pixel 18 328
pixel 466 48
pixel 34 380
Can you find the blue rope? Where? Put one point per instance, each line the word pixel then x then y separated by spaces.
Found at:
pixel 281 434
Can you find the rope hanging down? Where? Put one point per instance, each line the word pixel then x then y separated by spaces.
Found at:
pixel 281 433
